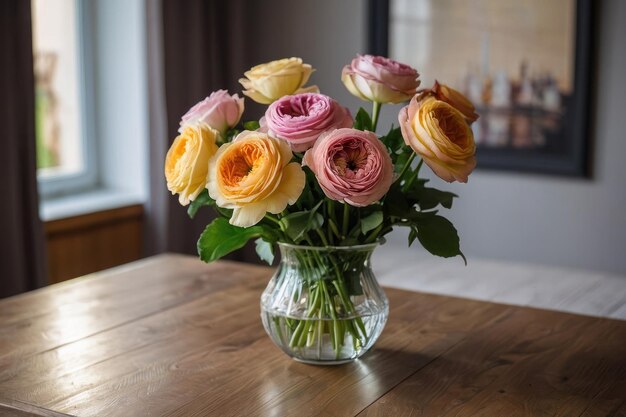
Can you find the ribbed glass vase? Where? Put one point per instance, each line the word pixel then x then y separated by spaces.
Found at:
pixel 324 305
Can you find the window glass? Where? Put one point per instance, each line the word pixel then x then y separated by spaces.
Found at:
pixel 60 147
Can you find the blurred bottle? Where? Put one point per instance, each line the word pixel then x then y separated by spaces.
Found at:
pixel 501 92
pixel 526 91
pixel 473 87
pixel 551 95
pixel 487 90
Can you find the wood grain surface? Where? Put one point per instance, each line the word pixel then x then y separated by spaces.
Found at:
pixel 171 336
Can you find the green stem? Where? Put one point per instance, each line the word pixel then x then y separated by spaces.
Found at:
pixel 272 219
pixel 406 166
pixel 374 234
pixel 334 228
pixel 354 229
pixel 413 177
pixel 343 294
pixel 375 113
pixel 223 212
pixel 329 308
pixel 321 235
pixel 333 314
pixel 347 303
pixel 346 220
pixel 419 166
pixel 332 221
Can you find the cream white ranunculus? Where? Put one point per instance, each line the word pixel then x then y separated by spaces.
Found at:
pixel 379 79
pixel 266 83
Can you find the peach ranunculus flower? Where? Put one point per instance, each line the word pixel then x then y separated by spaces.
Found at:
pixel 380 79
pixel 266 83
pixel 253 175
pixel 455 99
pixel 187 161
pixel 440 134
pixel 351 166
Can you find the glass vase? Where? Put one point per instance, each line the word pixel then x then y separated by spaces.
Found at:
pixel 324 305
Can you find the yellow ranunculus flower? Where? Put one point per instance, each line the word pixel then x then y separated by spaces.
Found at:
pixel 253 175
pixel 440 134
pixel 266 83
pixel 187 161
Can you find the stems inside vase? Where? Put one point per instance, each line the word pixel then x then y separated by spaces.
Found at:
pixel 322 314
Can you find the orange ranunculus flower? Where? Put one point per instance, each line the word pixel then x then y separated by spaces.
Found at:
pixel 440 134
pixel 455 99
pixel 266 83
pixel 253 175
pixel 187 161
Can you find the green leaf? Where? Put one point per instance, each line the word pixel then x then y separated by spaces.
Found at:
pixel 428 198
pixel 297 224
pixel 401 161
pixel 230 134
pixel 393 140
pixel 371 222
pixel 412 235
pixel 221 238
pixel 265 250
pixel 396 203
pixel 438 236
pixel 251 125
pixel 203 199
pixel 363 121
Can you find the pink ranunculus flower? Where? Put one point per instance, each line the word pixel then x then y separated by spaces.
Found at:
pixel 351 166
pixel 300 119
pixel 220 110
pixel 380 79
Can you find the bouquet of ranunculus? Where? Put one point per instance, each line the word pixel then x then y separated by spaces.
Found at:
pixel 309 174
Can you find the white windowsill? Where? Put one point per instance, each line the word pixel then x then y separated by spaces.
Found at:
pixel 85 203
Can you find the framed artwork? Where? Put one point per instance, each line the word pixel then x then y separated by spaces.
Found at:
pixel 525 64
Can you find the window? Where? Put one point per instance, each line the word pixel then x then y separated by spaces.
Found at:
pixel 65 141
pixel 92 104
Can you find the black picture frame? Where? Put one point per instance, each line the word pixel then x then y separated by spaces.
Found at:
pixel 575 160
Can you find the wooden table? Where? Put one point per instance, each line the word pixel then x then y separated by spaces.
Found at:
pixel 171 336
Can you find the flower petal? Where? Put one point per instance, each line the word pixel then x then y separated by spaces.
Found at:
pixel 248 215
pixel 289 189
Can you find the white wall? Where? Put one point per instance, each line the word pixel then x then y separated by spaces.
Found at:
pixel 550 220
pixel 529 218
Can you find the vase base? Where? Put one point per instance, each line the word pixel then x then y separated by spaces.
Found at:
pixel 322 362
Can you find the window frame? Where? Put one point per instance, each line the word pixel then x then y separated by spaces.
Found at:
pixel 55 185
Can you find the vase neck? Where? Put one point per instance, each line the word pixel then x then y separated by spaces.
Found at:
pixel 356 257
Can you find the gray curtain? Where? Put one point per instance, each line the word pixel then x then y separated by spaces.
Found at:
pixel 194 48
pixel 22 260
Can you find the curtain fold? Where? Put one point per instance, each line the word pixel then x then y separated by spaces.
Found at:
pixel 22 258
pixel 194 48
